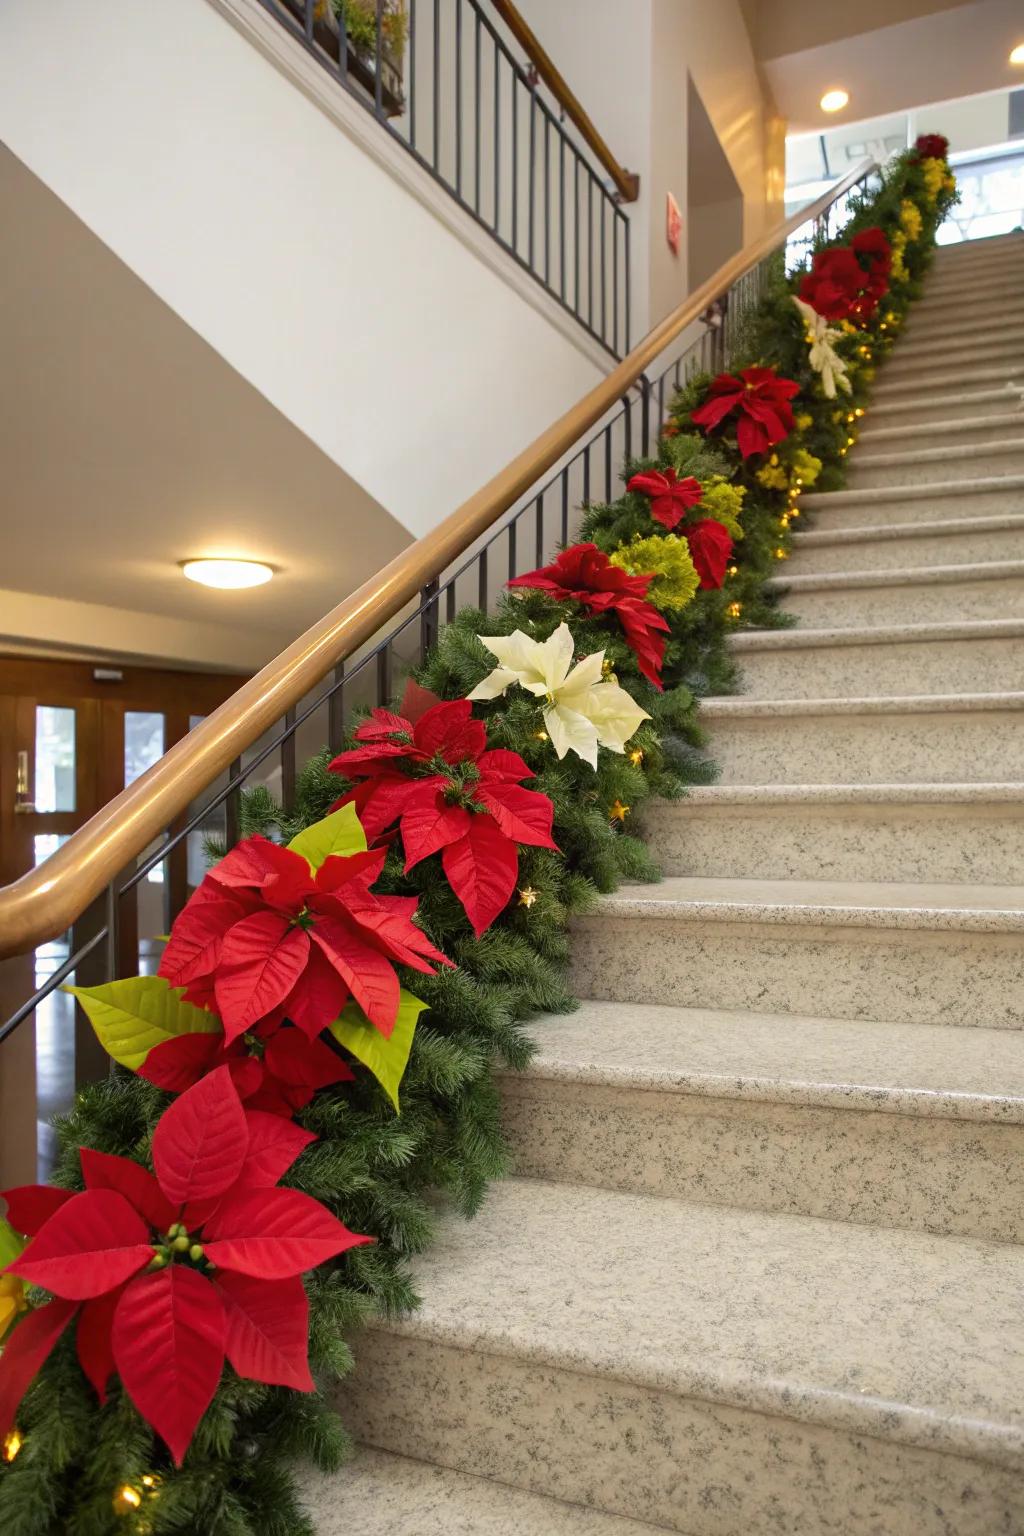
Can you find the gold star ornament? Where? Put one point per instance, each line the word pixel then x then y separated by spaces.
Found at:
pixel 527 895
pixel 618 811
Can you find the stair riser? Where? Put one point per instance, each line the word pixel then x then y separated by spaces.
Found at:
pixel 985 402
pixel 880 1170
pixel 941 466
pixel 914 436
pixel 980 845
pixel 989 341
pixel 952 319
pixel 1002 279
pixel 906 975
pixel 887 670
pixel 972 747
pixel 918 385
pixel 691 1466
pixel 919 371
pixel 828 514
pixel 961 546
pixel 928 603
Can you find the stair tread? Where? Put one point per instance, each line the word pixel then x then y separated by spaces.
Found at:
pixel 927 455
pixel 961 427
pixel 745 707
pixel 962 489
pixel 839 903
pixel 943 528
pixel 898 576
pixel 806 638
pixel 845 794
pixel 382 1494
pixel 862 1329
pixel 936 1070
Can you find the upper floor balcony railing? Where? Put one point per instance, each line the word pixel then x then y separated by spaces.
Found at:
pixel 442 81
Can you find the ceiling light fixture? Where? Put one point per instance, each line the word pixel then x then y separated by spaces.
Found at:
pixel 1017 54
pixel 834 101
pixel 228 575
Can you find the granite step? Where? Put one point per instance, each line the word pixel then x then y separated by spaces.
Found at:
pixel 913 953
pixel 983 245
pixel 381 1494
pixel 891 385
pixel 914 739
pixel 941 501
pixel 936 436
pixel 918 1126
pixel 954 318
pixel 979 656
pixel 919 466
pixel 966 279
pixel 967 539
pixel 712 1371
pixel 931 407
pixel 931 594
pixel 997 336
pixel 929 833
pixel 1005 358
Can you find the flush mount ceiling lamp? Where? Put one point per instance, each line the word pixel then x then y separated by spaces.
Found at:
pixel 227 575
pixel 1017 54
pixel 834 100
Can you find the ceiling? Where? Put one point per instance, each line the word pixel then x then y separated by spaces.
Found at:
pixel 128 444
pixel 890 55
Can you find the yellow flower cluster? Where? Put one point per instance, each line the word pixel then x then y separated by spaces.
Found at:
pixel 772 475
pixel 935 177
pixel 723 502
pixel 803 421
pixel 910 219
pixel 899 267
pixel 806 467
pixel 675 577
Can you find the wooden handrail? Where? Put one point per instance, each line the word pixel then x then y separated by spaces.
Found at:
pixel 627 182
pixel 44 902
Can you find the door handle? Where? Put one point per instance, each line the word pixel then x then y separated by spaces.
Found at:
pixel 23 802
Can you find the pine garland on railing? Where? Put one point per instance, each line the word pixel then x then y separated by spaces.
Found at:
pixel 270 1134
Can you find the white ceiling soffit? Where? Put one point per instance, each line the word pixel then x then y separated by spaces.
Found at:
pixel 129 444
pixel 959 50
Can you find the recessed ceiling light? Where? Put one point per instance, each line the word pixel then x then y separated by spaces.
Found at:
pixel 227 574
pixel 1017 54
pixel 834 101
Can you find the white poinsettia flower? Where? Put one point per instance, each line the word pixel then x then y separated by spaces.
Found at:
pixel 582 712
pixel 823 357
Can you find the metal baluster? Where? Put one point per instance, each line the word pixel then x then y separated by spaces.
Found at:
pixel 288 760
pixel 482 594
pixel 615 288
pixel 476 114
pixel 497 140
pixel 547 198
pixel 627 417
pixel 343 41
pixel 661 405
pixel 378 84
pixel 512 549
pixel 412 74
pixel 436 101
pixel 336 710
pixel 232 807
pixel 113 921
pixel 625 246
pixel 602 215
pixel 515 161
pixel 586 475
pixel 449 601
pixel 645 415
pixel 458 99
pixel 539 549
pixel 608 462
pixel 561 219
pixel 309 20
pixel 384 674
pixel 428 617
pixel 565 505
pixel 590 249
pixel 532 172
pixel 577 303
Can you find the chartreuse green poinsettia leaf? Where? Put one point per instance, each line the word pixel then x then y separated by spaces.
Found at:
pixel 341 832
pixel 10 1244
pixel 386 1059
pixel 132 1016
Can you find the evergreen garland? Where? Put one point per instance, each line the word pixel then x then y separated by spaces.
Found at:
pixel 372 1168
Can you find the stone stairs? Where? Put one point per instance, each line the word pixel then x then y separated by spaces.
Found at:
pixel 758 1271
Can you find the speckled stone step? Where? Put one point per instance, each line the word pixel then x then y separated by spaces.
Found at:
pixel 984 655
pixel 893 1125
pixel 986 400
pixel 914 739
pixel 920 466
pixel 914 953
pixel 915 595
pixel 954 319
pixel 986 496
pixel 904 832
pixel 1002 277
pixel 991 339
pixel 709 1370
pixel 969 539
pixel 388 1495
pixel 972 375
pixel 938 435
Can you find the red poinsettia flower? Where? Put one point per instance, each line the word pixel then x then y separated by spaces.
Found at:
pixel 263 939
pixel 872 245
pixel 275 1068
pixel 759 399
pixel 584 574
pixel 671 498
pixel 931 146
pixel 710 547
pixel 175 1273
pixel 467 802
pixel 847 282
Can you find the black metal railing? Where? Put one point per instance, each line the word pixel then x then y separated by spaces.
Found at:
pixel 107 943
pixel 445 84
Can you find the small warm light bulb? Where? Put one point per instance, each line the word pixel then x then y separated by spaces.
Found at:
pixel 733 570
pixel 227 575
pixel 834 100
pixel 12 1445
pixel 1017 54
pixel 734 610
pixel 126 1499
pixel 780 553
pixel 859 411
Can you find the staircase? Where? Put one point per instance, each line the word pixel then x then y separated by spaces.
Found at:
pixel 758 1270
